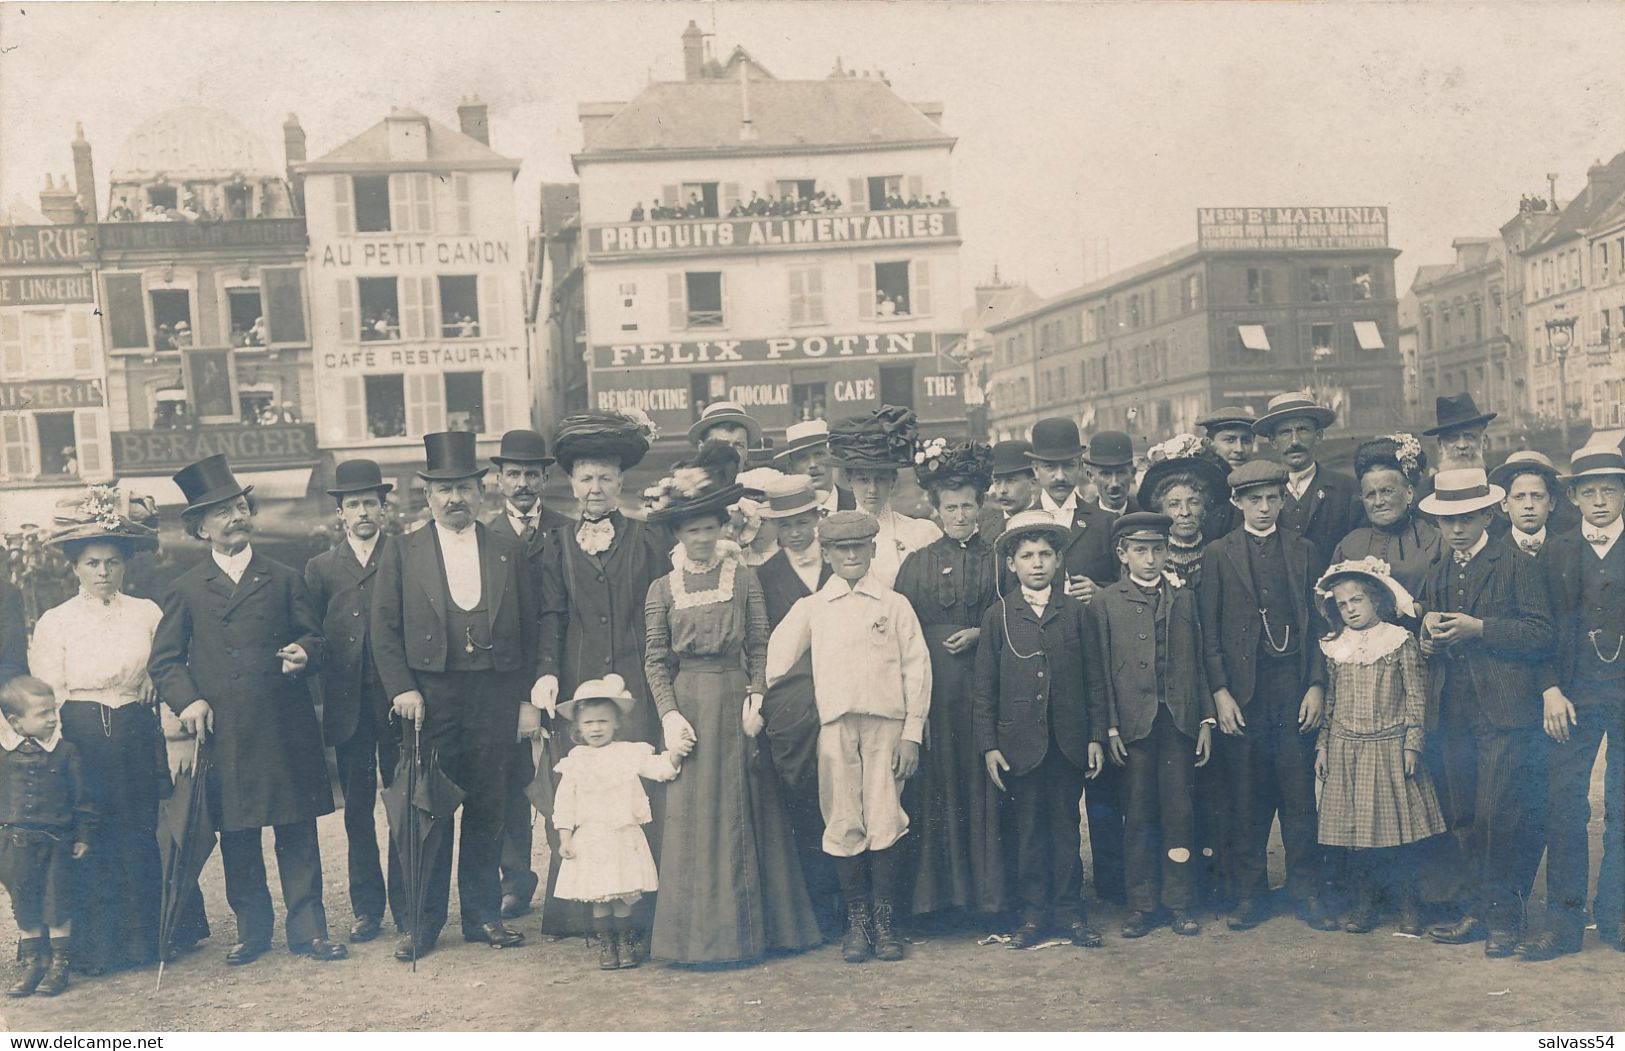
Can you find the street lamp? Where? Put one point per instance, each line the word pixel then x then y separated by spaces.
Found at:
pixel 1560 340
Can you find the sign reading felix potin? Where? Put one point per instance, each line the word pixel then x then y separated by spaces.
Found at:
pixel 779 348
pixel 769 233
pixel 1292 228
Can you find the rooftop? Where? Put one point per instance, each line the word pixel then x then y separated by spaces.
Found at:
pixel 1605 187
pixel 446 148
pixel 191 141
pixel 1104 284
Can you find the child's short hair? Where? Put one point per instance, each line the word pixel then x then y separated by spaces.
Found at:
pixel 19 695
pixel 1381 598
pixel 587 705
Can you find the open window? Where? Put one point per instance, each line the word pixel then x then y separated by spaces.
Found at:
pixel 380 308
pixel 459 306
pixel 239 202
pixel 798 189
pixel 1363 286
pixel 1260 285
pixel 892 289
pixel 698 200
pixel 696 300
pixel 163 195
pixel 809 398
pixel 171 318
pixel 885 191
pixel 1320 341
pixel 705 388
pixel 246 317
pixel 257 405
pixel 385 406
pixel 465 402
pixel 1320 284
pixel 371 203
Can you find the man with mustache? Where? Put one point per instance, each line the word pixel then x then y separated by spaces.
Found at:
pixel 521 466
pixel 1319 504
pixel 1460 432
pixel 239 633
pixel 1014 488
pixel 806 451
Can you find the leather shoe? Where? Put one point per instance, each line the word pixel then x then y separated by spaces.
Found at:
pixel 1313 912
pixel 320 949
pixel 365 929
pixel 1138 924
pixel 1026 936
pixel 1084 935
pixel 1500 944
pixel 1184 923
pixel 1546 946
pixel 1467 929
pixel 1409 920
pixel 496 935
pixel 403 948
pixel 246 952
pixel 1249 914
pixel 514 907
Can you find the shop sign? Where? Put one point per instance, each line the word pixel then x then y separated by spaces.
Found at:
pixel 29 290
pixel 1291 228
pixel 45 395
pixel 46 244
pixel 756 234
pixel 160 452
pixel 778 348
pixel 389 358
pixel 229 233
pixel 389 253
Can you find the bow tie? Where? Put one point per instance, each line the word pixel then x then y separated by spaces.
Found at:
pixel 1598 539
pixel 1529 546
pixel 1461 557
pixel 595 537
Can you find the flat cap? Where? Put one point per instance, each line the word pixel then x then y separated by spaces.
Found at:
pixel 1141 525
pixel 846 526
pixel 1227 416
pixel 1257 472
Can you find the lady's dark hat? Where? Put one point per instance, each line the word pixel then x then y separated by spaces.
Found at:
pixel 1011 457
pixel 1457 412
pixel 884 440
pixel 613 436
pixel 1110 449
pixel 523 447
pixel 1056 438
pixel 449 456
pixel 1208 474
pixel 358 476
pixel 209 481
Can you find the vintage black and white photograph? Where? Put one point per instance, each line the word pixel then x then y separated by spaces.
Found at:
pixel 899 517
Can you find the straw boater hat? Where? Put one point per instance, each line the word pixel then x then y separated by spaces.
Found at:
pixel 358 476
pixel 1369 568
pixel 1593 461
pixel 449 457
pixel 208 482
pixel 618 437
pixel 524 447
pixel 798 437
pixel 97 515
pixel 730 413
pixel 610 688
pixel 1293 403
pixel 883 440
pixel 789 495
pixel 1526 461
pixel 1036 522
pixel 1454 413
pixel 1461 492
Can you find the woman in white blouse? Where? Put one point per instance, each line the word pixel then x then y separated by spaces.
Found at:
pixel 92 650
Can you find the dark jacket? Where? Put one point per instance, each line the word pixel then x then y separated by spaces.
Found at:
pixel 219 643
pixel 1126 638
pixel 1330 509
pixel 1560 564
pixel 342 589
pixel 1505 666
pixel 1090 551
pixel 548 522
pixel 1229 613
pixel 46 789
pixel 13 633
pixel 409 632
pixel 1017 699
pixel 782 586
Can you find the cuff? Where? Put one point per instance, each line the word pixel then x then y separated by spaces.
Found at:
pixel 914 730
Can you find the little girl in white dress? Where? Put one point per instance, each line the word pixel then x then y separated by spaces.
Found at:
pixel 600 809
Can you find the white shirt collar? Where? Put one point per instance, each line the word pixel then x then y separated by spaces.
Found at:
pixel 837 588
pixel 807 556
pixel 831 501
pixel 1613 530
pixel 11 740
pixel 1538 538
pixel 235 565
pixel 1304 477
pixel 1038 600
pixel 1049 504
pixel 517 515
pixel 91 600
pixel 1253 532
pixel 460 536
pixel 1483 542
pixel 362 549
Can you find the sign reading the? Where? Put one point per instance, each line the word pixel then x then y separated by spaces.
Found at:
pixel 162 452
pixel 779 348
pixel 1288 229
pixel 755 234
pixel 231 233
pixel 44 395
pixel 44 289
pixel 397 359
pixel 46 244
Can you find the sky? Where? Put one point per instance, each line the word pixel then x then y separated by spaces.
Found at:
pixel 1089 133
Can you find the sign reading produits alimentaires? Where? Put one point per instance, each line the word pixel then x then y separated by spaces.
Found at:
pixel 778 348
pixel 1291 228
pixel 757 234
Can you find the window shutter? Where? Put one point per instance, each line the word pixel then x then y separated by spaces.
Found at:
pixel 798 297
pixel 284 304
pixel 668 195
pixel 1268 285
pixel 411 307
pixel 857 196
pixel 353 420
pixel 445 204
pixel 126 311
pixel 722 299
pixel 493 305
pixel 866 290
pixel 496 401
pixel 730 196
pixel 422 203
pixel 920 288
pixel 465 202
pixel 429 305
pixel 84 357
pixel 815 296
pixel 348 331
pixel 17 445
pixel 11 348
pixel 90 442
pixel 425 403
pixel 676 302
pixel 400 204
pixel 916 186
pixel 343 204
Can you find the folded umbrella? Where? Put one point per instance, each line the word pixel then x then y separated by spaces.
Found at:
pixel 186 838
pixel 419 801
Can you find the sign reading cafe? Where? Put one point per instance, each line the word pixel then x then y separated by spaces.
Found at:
pixel 754 234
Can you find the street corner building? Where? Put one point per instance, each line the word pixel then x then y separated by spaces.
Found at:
pixel 788 245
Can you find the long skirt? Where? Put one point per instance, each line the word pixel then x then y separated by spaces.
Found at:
pixel 1367 801
pixel 730 884
pixel 954 807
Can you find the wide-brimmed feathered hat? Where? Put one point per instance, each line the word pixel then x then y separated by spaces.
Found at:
pixel 1369 568
pixel 939 465
pixel 1184 454
pixel 101 513
pixel 883 440
pixel 705 484
pixel 619 437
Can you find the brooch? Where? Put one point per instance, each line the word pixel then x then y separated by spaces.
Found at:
pixel 880 625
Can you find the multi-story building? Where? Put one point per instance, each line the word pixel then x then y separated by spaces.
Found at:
pixel 785 244
pixel 995 300
pixel 417 262
pixel 1410 356
pixel 1605 347
pixel 1464 340
pixel 1268 299
pixel 557 307
pixel 202 273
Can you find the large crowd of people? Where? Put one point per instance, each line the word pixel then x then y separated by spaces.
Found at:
pixel 770 710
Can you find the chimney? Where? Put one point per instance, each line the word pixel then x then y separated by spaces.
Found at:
pixel 57 202
pixel 693 52
pixel 472 118
pixel 293 149
pixel 84 173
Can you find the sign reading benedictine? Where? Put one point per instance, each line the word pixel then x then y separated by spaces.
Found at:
pixel 779 348
pixel 769 232
pixel 1288 229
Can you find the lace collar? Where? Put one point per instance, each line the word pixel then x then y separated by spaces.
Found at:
pixel 1365 647
pixel 682 598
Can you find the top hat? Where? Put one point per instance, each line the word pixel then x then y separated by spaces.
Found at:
pixel 1142 525
pixel 610 688
pixel 1227 418
pixel 1457 412
pixel 1293 403
pixel 730 413
pixel 808 434
pixel 1011 457
pixel 1595 460
pixel 1461 492
pixel 522 447
pixel 358 476
pixel 789 495
pixel 449 456
pixel 1110 449
pixel 209 481
pixel 1033 522
pixel 1056 438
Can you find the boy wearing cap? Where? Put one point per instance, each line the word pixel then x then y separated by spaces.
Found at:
pixel 1534 510
pixel 1267 677
pixel 1037 723
pixel 872 683
pixel 1159 719
pixel 1584 701
pixel 1486 629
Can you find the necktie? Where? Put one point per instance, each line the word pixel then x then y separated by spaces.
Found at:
pixel 1461 557
pixel 530 529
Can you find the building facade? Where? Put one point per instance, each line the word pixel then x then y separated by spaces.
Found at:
pixel 1465 342
pixel 417 265
pixel 557 308
pixel 788 245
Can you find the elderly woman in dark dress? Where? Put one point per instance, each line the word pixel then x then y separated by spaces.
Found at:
pixel 1388 470
pixel 959 860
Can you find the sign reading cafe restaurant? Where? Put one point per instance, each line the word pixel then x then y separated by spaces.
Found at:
pixel 757 234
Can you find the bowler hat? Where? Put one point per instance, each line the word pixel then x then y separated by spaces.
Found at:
pixel 449 456
pixel 1460 492
pixel 1283 407
pixel 808 434
pixel 1110 449
pixel 209 481
pixel 1457 412
pixel 730 413
pixel 1056 438
pixel 1141 525
pixel 358 476
pixel 1255 473
pixel 1227 418
pixel 1595 460
pixel 522 446
pixel 1011 457
pixel 845 527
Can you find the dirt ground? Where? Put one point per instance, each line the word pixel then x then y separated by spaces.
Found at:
pixel 1280 976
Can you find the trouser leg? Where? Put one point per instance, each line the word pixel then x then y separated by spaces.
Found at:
pixel 299 863
pixel 358 781
pixel 1033 872
pixel 1608 908
pixel 1063 798
pixel 389 754
pixel 1505 808
pixel 1176 777
pixel 1103 802
pixel 484 777
pixel 246 891
pixel 518 879
pixel 1254 802
pixel 1568 812
pixel 853 872
pixel 1141 832
pixel 1295 773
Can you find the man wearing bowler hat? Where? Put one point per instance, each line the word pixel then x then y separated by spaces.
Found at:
pixel 521 469
pixel 1318 503
pixel 455 622
pixel 1014 488
pixel 355 710
pixel 806 451
pixel 726 421
pixel 239 633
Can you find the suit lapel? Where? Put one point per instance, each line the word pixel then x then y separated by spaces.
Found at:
pixel 216 580
pixel 1311 498
pixel 1478 580
pixel 1235 550
pixel 491 568
pixel 424 567
pixel 255 576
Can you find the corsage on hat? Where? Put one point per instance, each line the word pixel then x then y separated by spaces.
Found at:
pixel 1401 452
pixel 610 688
pixel 1179 455
pixel 704 485
pixel 103 513
pixel 1369 568
pixel 619 437
pixel 884 440
pixel 939 465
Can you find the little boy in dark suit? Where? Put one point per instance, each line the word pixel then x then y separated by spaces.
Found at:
pixel 1159 719
pixel 1034 726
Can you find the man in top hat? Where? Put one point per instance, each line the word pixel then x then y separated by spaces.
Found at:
pixel 806 451
pixel 726 421
pixel 521 470
pixel 1584 701
pixel 455 635
pixel 239 633
pixel 355 709
pixel 1318 503
pixel 1230 431
pixel 1487 632
pixel 1535 509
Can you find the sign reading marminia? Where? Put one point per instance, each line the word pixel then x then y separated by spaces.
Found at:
pixel 1291 228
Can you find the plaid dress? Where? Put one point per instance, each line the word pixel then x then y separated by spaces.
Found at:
pixel 1375 699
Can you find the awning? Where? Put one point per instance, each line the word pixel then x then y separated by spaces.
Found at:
pixel 1253 337
pixel 1368 335
pixel 289 483
pixel 171 394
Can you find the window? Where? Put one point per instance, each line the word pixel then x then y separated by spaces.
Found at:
pixel 1151 307
pixel 885 191
pixel 1134 317
pixel 806 295
pixel 705 388
pixel 459 307
pixel 628 305
pixel 1320 284
pixel 696 300
pixel 247 323
pixel 385 406
pixel 1363 283
pixel 1320 341
pixel 891 290
pixel 239 202
pixel 798 189
pixel 1427 332
pixel 1260 286
pixel 1478 321
pixel 465 402
pixel 897 385
pixel 171 317
pixel 57 455
pixel 699 200
pixel 283 290
pixel 163 196
pixel 809 400
pixel 380 308
pixel 1193 292
pixel 371 203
